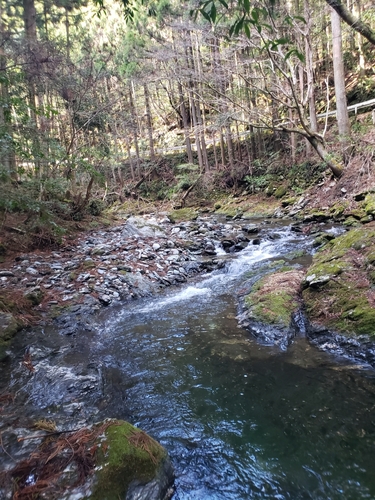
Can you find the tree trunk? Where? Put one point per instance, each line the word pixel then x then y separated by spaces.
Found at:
pixel 339 77
pixel 335 167
pixel 134 125
pixel 149 121
pixel 7 156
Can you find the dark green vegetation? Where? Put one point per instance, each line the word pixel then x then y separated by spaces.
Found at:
pixel 339 285
pixel 92 116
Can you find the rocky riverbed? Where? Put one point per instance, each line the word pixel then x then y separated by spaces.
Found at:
pixel 135 258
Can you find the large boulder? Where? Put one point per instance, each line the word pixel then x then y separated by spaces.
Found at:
pixel 8 326
pixel 271 309
pixel 112 460
pixel 131 466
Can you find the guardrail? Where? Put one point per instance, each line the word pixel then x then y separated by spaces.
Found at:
pixel 353 107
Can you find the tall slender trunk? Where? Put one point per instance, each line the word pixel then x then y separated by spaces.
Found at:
pixel 149 121
pixel 185 123
pixel 339 77
pixel 134 126
pixel 310 92
pixel 7 156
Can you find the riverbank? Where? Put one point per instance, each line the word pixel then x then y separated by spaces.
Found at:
pixel 90 375
pixel 136 257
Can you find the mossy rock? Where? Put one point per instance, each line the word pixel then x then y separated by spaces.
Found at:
pixel 288 201
pixel 338 287
pixel 35 297
pixel 4 350
pixel 338 209
pixel 351 221
pixel 183 214
pixel 322 239
pixel 229 211
pixel 357 213
pixel 369 204
pixel 366 219
pixel 280 192
pixel 275 297
pixel 8 326
pixel 131 465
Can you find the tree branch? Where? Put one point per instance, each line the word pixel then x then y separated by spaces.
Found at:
pixel 352 21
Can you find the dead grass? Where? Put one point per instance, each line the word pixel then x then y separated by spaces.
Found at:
pixel 42 473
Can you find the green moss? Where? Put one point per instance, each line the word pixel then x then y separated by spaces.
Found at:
pixel 288 202
pixel 369 204
pixel 183 214
pixel 230 211
pixel 3 350
pixel 35 297
pixel 89 264
pixel 350 221
pixel 295 254
pixel 357 238
pixel 120 462
pixel 342 308
pixel 275 297
pixel 329 268
pixel 338 209
pixel 370 257
pixel 343 301
pixel 280 192
pixel 8 326
pixel 356 213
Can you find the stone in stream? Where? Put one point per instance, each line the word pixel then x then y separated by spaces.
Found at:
pixel 271 310
pixel 114 460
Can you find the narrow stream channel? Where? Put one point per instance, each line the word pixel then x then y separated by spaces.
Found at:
pixel 240 420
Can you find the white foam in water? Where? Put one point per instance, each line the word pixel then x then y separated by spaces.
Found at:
pixel 237 266
pixel 155 305
pixel 188 293
pixel 219 249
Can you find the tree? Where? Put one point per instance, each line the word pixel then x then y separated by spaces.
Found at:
pixel 339 77
pixel 248 14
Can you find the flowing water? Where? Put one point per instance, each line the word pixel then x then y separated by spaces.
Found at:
pixel 240 420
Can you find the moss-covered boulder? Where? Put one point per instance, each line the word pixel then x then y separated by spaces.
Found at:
pixel 338 287
pixel 280 192
pixel 111 460
pixel 8 326
pixel 271 306
pixel 369 204
pixel 183 214
pixel 131 465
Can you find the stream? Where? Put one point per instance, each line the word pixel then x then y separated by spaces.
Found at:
pixel 240 420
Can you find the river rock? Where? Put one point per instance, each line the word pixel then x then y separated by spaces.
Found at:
pixel 8 326
pixel 130 465
pixel 270 311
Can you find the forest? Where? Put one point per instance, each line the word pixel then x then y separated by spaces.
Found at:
pixel 187 264
pixel 164 97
